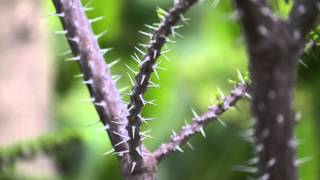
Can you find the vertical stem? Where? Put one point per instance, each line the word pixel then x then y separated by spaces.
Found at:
pixel 273 72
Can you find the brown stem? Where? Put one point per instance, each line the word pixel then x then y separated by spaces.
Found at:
pixel 274 48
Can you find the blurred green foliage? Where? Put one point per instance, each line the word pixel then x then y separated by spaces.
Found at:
pixel 65 147
pixel 209 54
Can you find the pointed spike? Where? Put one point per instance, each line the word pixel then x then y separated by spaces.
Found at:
pixel 169 40
pixel 133 166
pixel 121 153
pixel 116 78
pixel 221 122
pixel 77 58
pixel 108 152
pixel 123 89
pixel 94 20
pixel 146 34
pixel 202 132
pixel 121 142
pixel 248 96
pixel 102 104
pixel 78 75
pixel 174 132
pixel 105 51
pixel 303 64
pixel 190 145
pixel 215 3
pixel 136 58
pixel 221 93
pixel 134 72
pixel 179 148
pixel 142 79
pixel 110 65
pixel 90 81
pixel 240 76
pixel 87 9
pixel 98 36
pixel 194 113
pixel 140 51
pixel 120 135
pixel 152 84
pixel 151 27
pixel 65 53
pixel 185 20
pixel 139 151
pixel 131 80
pixel 247 169
pixel 55 14
pixel 142 100
pixel 91 100
pixel 133 128
pixel 156 73
pixel 144 45
pixel 64 32
pixel 155 53
pixel 117 122
pixel 105 127
pixel 303 160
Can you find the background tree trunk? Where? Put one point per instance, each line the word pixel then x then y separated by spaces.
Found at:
pixel 273 65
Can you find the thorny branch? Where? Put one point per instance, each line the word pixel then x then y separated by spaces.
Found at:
pixel 147 67
pixel 103 91
pixel 123 127
pixel 199 122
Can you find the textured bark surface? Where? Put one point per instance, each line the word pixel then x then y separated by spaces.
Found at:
pixel 273 71
pixel 274 47
pixel 103 91
pixel 147 67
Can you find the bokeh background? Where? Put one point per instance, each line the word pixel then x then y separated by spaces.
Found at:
pixel 49 132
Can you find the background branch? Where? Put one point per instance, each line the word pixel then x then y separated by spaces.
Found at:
pixel 274 50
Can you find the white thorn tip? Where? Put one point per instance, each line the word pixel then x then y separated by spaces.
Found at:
pixel 133 166
pixel 202 132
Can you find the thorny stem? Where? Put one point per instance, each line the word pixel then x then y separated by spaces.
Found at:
pixel 274 46
pixel 198 123
pixel 142 78
pixel 103 91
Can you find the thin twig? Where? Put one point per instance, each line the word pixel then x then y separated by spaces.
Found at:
pixel 199 122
